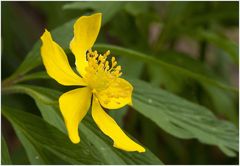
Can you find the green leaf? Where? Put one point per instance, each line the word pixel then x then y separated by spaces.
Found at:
pixel 44 136
pixel 107 9
pixel 161 64
pixel 6 160
pixel 46 100
pixel 50 113
pixel 34 156
pixel 168 79
pixel 219 41
pixel 184 119
pixel 37 155
pixel 110 154
pixel 130 70
pixel 41 97
pixel 187 62
pixel 222 101
pixel 119 115
pixel 63 35
pixel 36 75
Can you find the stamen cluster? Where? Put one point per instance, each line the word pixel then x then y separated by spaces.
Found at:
pixel 99 73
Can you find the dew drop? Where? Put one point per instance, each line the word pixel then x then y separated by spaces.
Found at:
pixel 102 148
pixel 150 100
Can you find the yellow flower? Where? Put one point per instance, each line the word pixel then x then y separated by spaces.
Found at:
pixel 99 78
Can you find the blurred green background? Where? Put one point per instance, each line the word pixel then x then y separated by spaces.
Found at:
pixel 198 36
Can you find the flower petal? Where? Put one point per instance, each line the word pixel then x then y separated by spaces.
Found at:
pixel 74 106
pixel 111 129
pixel 56 62
pixel 117 95
pixel 86 30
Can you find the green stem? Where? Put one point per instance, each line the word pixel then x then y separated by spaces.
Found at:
pixel 10 81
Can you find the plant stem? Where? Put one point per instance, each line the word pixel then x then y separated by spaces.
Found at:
pixel 11 81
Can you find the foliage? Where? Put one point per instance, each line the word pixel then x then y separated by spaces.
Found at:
pixel 186 91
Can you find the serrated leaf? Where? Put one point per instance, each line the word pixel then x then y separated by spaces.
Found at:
pixel 38 155
pixel 99 143
pixel 35 156
pixel 44 136
pixel 222 100
pixel 184 119
pixel 5 158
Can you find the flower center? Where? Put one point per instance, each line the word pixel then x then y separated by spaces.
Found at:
pixel 99 73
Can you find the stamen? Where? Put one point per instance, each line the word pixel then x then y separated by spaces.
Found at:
pixel 99 73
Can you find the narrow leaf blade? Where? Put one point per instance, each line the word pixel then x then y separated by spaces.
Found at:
pixel 6 160
pixel 184 119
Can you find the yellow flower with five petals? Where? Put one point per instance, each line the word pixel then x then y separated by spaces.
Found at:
pixel 100 80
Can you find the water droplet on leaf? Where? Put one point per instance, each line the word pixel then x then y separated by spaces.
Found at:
pixel 150 100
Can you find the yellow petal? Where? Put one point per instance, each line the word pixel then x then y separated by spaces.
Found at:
pixel 111 129
pixel 86 30
pixel 56 62
pixel 117 95
pixel 74 106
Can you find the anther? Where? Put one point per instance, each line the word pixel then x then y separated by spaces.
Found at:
pixel 118 68
pixel 113 59
pixel 107 53
pixel 106 63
